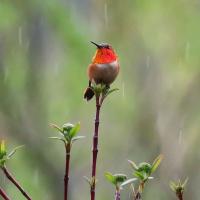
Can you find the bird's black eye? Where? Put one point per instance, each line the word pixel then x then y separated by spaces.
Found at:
pixel 107 46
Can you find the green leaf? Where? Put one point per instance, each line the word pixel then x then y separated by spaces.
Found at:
pixel 120 178
pixel 2 146
pixel 185 183
pixel 74 130
pixel 172 186
pixel 139 175
pixel 156 163
pixel 94 181
pixel 178 187
pixel 133 165
pixel 145 176
pixel 91 181
pixel 77 138
pixel 110 178
pixel 2 162
pixel 57 128
pixel 14 151
pixel 129 181
pixel 87 179
pixel 105 90
pixel 144 169
pixel 111 91
pixel 67 128
pixel 132 190
pixel 106 93
pixel 57 138
pixel 98 88
pixel 2 149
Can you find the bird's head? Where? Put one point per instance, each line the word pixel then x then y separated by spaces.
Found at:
pixel 104 53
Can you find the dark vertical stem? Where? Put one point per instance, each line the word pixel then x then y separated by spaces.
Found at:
pixel 12 179
pixel 95 147
pixel 138 196
pixel 66 177
pixel 179 195
pixel 3 194
pixel 117 194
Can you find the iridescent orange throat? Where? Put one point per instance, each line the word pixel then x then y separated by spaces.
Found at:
pixel 104 55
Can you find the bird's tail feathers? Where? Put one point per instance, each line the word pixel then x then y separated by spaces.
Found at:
pixel 88 94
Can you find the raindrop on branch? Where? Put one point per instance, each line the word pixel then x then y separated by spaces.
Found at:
pixel 6 74
pixel 123 90
pixel 180 136
pixel 148 62
pixel 36 177
pixel 20 35
pixel 106 15
pixel 187 51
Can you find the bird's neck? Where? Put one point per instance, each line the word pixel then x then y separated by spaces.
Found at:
pixel 104 56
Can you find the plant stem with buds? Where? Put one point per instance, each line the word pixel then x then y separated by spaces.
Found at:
pixel 95 147
pixel 12 179
pixel 117 194
pixel 66 177
pixel 179 195
pixel 138 196
pixel 3 194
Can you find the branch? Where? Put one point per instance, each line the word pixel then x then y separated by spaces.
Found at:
pixel 3 194
pixel 66 177
pixel 12 179
pixel 95 147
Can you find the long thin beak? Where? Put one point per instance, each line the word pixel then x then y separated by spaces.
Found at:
pixel 97 45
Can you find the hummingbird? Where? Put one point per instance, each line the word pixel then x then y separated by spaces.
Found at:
pixel 103 69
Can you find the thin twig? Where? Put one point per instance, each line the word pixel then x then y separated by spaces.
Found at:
pixel 117 195
pixel 179 195
pixel 66 177
pixel 12 179
pixel 138 196
pixel 3 194
pixel 95 147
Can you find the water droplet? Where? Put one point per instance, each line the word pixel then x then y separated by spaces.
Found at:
pixel 56 68
pixel 180 136
pixel 181 127
pixel 187 51
pixel 148 62
pixel 123 89
pixel 27 45
pixel 36 177
pixel 6 74
pixel 4 179
pixel 20 35
pixel 106 14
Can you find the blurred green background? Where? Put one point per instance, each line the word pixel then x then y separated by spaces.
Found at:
pixel 44 53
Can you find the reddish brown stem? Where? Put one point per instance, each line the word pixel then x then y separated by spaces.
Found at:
pixel 66 177
pixel 117 195
pixel 95 147
pixel 180 195
pixel 3 194
pixel 12 179
pixel 138 196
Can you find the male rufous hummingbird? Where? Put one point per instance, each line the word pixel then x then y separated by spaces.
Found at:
pixel 103 69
